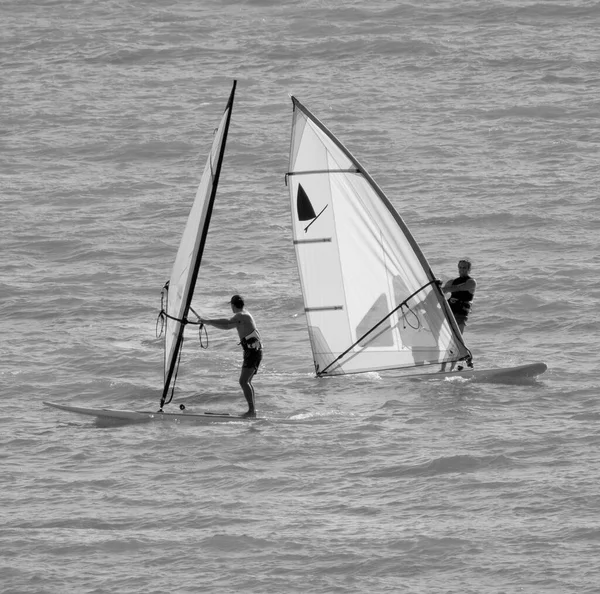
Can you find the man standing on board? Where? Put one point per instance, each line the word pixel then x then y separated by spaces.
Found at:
pixel 462 291
pixel 250 341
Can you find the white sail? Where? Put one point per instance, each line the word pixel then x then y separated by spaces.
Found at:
pixel 371 299
pixel 187 262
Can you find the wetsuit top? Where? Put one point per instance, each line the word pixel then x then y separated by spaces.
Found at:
pixel 460 301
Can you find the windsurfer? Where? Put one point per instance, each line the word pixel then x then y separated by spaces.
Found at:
pixel 250 341
pixel 462 291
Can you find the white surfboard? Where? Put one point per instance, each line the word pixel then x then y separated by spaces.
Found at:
pixel 500 375
pixel 146 416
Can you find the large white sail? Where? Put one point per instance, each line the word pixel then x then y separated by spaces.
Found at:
pixel 371 299
pixel 184 274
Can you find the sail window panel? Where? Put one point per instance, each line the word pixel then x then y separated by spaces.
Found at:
pixel 382 336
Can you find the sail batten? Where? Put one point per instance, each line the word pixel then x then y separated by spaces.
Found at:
pixel 390 312
pixel 316 240
pixel 324 171
pixel 184 274
pixel 324 308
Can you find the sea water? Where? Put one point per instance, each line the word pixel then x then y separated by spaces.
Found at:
pixel 480 121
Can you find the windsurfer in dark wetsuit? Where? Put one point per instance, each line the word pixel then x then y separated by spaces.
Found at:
pixel 462 291
pixel 250 341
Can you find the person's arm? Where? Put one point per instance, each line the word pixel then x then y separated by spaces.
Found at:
pixel 222 323
pixel 469 285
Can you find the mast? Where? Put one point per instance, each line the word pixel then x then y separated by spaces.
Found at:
pixel 185 270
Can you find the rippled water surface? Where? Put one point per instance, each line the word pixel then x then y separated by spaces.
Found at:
pixel 478 120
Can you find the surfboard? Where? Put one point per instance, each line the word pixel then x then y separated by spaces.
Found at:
pixel 147 416
pixel 501 374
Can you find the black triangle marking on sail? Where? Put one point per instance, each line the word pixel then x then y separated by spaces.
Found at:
pixel 306 212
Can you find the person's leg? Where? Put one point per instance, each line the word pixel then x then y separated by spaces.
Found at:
pixel 245 382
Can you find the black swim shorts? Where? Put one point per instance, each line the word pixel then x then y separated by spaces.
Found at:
pixel 252 358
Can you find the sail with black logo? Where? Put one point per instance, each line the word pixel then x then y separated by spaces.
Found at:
pixel 371 300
